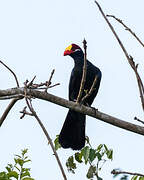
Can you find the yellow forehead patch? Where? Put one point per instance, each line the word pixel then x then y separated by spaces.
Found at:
pixel 68 48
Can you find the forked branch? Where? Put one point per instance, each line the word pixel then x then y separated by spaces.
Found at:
pixel 127 28
pixel 33 113
pixel 129 58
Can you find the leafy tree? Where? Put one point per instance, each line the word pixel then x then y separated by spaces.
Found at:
pixel 17 170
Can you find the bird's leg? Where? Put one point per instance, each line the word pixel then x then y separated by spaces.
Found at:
pixel 95 110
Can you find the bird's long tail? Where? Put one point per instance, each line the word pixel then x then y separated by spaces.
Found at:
pixel 72 134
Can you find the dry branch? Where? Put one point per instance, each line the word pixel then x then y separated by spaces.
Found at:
pixel 29 104
pixel 125 172
pixel 28 99
pixel 129 58
pixel 81 90
pixel 16 79
pixel 127 28
pixel 76 107
pixel 7 110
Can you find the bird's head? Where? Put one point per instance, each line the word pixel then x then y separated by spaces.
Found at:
pixel 73 50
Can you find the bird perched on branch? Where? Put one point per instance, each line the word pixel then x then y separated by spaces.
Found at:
pixel 72 134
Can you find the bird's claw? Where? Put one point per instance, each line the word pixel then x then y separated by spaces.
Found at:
pixel 95 110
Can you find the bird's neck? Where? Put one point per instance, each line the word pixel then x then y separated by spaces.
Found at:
pixel 78 60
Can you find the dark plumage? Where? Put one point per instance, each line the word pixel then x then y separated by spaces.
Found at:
pixel 72 134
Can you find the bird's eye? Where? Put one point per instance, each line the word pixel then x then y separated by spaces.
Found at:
pixel 76 50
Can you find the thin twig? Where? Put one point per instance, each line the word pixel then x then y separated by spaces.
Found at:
pixel 49 81
pixel 90 91
pixel 31 82
pixel 24 112
pixel 11 72
pixel 9 107
pixel 127 28
pixel 29 104
pixel 129 58
pixel 84 73
pixel 125 172
pixel 36 86
pixel 137 119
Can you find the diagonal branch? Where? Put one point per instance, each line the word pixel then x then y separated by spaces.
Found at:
pixel 76 107
pixel 90 91
pixel 12 103
pixel 129 58
pixel 127 28
pixel 46 134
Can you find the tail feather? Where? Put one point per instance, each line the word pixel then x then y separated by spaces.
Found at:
pixel 72 134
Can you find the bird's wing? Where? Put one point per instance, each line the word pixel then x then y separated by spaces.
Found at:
pixel 74 84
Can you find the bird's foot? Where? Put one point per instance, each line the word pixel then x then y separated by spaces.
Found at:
pixel 95 110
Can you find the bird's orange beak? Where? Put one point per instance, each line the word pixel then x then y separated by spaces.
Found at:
pixel 68 50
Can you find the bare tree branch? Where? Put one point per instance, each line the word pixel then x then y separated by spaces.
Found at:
pixel 12 103
pixel 90 91
pixel 127 28
pixel 76 107
pixel 33 112
pixel 129 58
pixel 49 81
pixel 125 172
pixel 81 90
pixel 11 72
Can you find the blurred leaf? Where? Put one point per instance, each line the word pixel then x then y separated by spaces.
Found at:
pixel 3 176
pixel 134 178
pixel 105 147
pixel 85 152
pixel 25 170
pixel 25 174
pixel 87 140
pixel 13 174
pixel 28 178
pixel 27 161
pixel 71 166
pixel 91 172
pixel 20 161
pixel 56 142
pixel 17 155
pixel 24 151
pixel 17 168
pixel 92 154
pixel 8 169
pixel 141 178
pixel 125 177
pixel 99 147
pixel 98 155
pixel 25 157
pixel 99 178
pixel 78 157
pixel 110 154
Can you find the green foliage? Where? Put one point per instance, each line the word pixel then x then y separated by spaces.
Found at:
pixel 71 166
pixel 137 178
pixel 93 158
pixel 56 143
pixel 17 171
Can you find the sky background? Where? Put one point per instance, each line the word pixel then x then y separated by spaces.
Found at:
pixel 33 37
